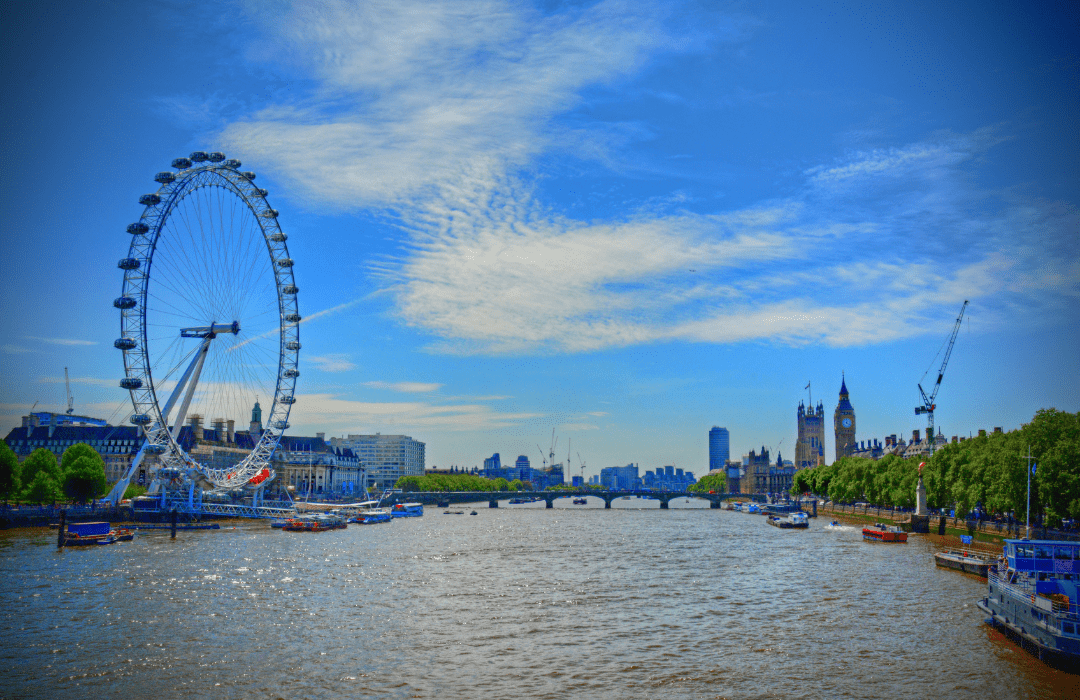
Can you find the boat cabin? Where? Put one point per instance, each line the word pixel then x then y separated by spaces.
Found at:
pixel 1053 565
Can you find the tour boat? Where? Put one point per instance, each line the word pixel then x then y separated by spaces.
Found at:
pixel 581 501
pixel 371 516
pixel 879 532
pixel 315 522
pixel 407 510
pixel 789 520
pixel 1033 596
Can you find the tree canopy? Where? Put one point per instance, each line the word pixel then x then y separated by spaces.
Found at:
pixel 9 472
pixel 84 479
pixel 451 482
pixel 42 489
pixel 40 461
pixel 77 450
pixel 710 482
pixel 989 470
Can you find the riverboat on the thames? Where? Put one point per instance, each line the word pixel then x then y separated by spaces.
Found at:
pixel 879 532
pixel 315 522
pixel 1033 594
pixel 407 510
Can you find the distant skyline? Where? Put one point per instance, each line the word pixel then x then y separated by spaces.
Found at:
pixel 627 222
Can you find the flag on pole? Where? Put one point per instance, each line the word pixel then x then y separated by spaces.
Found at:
pixel 807 385
pixel 1033 468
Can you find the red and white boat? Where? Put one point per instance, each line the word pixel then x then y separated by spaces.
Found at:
pixel 879 532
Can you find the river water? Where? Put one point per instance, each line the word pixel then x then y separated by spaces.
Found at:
pixel 573 602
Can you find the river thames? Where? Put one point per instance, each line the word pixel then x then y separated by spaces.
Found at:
pixel 573 602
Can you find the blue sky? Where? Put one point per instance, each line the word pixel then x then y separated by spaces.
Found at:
pixel 628 222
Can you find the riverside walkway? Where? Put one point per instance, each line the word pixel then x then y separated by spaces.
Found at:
pixel 443 499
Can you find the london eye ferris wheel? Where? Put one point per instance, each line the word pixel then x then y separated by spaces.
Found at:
pixel 208 317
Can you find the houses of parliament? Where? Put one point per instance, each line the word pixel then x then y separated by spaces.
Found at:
pixel 810 446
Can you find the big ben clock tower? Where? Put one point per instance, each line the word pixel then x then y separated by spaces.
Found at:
pixel 844 423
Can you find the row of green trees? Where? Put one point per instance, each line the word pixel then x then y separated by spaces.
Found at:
pixel 459 482
pixel 991 470
pixel 710 482
pixel 79 475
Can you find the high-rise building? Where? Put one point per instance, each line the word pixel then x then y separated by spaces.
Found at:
pixel 844 423
pixel 719 448
pixel 385 458
pixel 810 446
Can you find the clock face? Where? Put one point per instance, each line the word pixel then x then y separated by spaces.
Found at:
pixel 846 422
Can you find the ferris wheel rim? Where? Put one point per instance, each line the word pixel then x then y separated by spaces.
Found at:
pixel 202 170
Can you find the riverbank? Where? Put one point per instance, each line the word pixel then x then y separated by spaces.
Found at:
pixel 954 528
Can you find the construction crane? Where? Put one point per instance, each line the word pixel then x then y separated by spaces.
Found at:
pixel 70 398
pixel 928 404
pixel 542 457
pixel 579 459
pixel 554 444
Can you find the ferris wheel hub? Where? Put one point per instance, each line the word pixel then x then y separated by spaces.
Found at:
pixel 211 330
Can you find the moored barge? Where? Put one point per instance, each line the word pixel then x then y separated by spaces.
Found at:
pixel 1032 595
pixel 965 560
pixel 82 534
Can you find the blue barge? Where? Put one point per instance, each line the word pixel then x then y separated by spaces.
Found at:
pixel 1033 596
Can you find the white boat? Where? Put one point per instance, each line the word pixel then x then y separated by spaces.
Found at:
pixel 407 510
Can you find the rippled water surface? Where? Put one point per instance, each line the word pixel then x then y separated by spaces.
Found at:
pixel 514 602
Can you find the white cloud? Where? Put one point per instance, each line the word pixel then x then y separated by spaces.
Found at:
pixel 405 387
pixel 420 96
pixel 61 341
pixel 435 113
pixel 13 349
pixel 336 362
pixel 337 414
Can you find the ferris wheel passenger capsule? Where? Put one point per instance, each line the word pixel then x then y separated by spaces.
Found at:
pixel 149 200
pixel 281 424
pixel 292 318
pixel 278 237
pixel 248 174
pixel 165 178
pixel 288 398
pixel 261 192
pixel 155 449
pixel 137 228
pixel 290 289
pixel 293 345
pixel 124 303
pixel 292 373
pixel 232 163
pixel 285 262
pixel 216 157
pixel 129 264
pixel 124 344
pixel 130 383
pixel 181 163
pixel 140 419
pixel 270 213
pixel 199 156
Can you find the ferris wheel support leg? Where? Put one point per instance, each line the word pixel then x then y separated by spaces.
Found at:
pixel 179 388
pixel 182 413
pixel 120 487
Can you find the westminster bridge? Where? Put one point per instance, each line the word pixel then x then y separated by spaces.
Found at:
pixel 443 499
